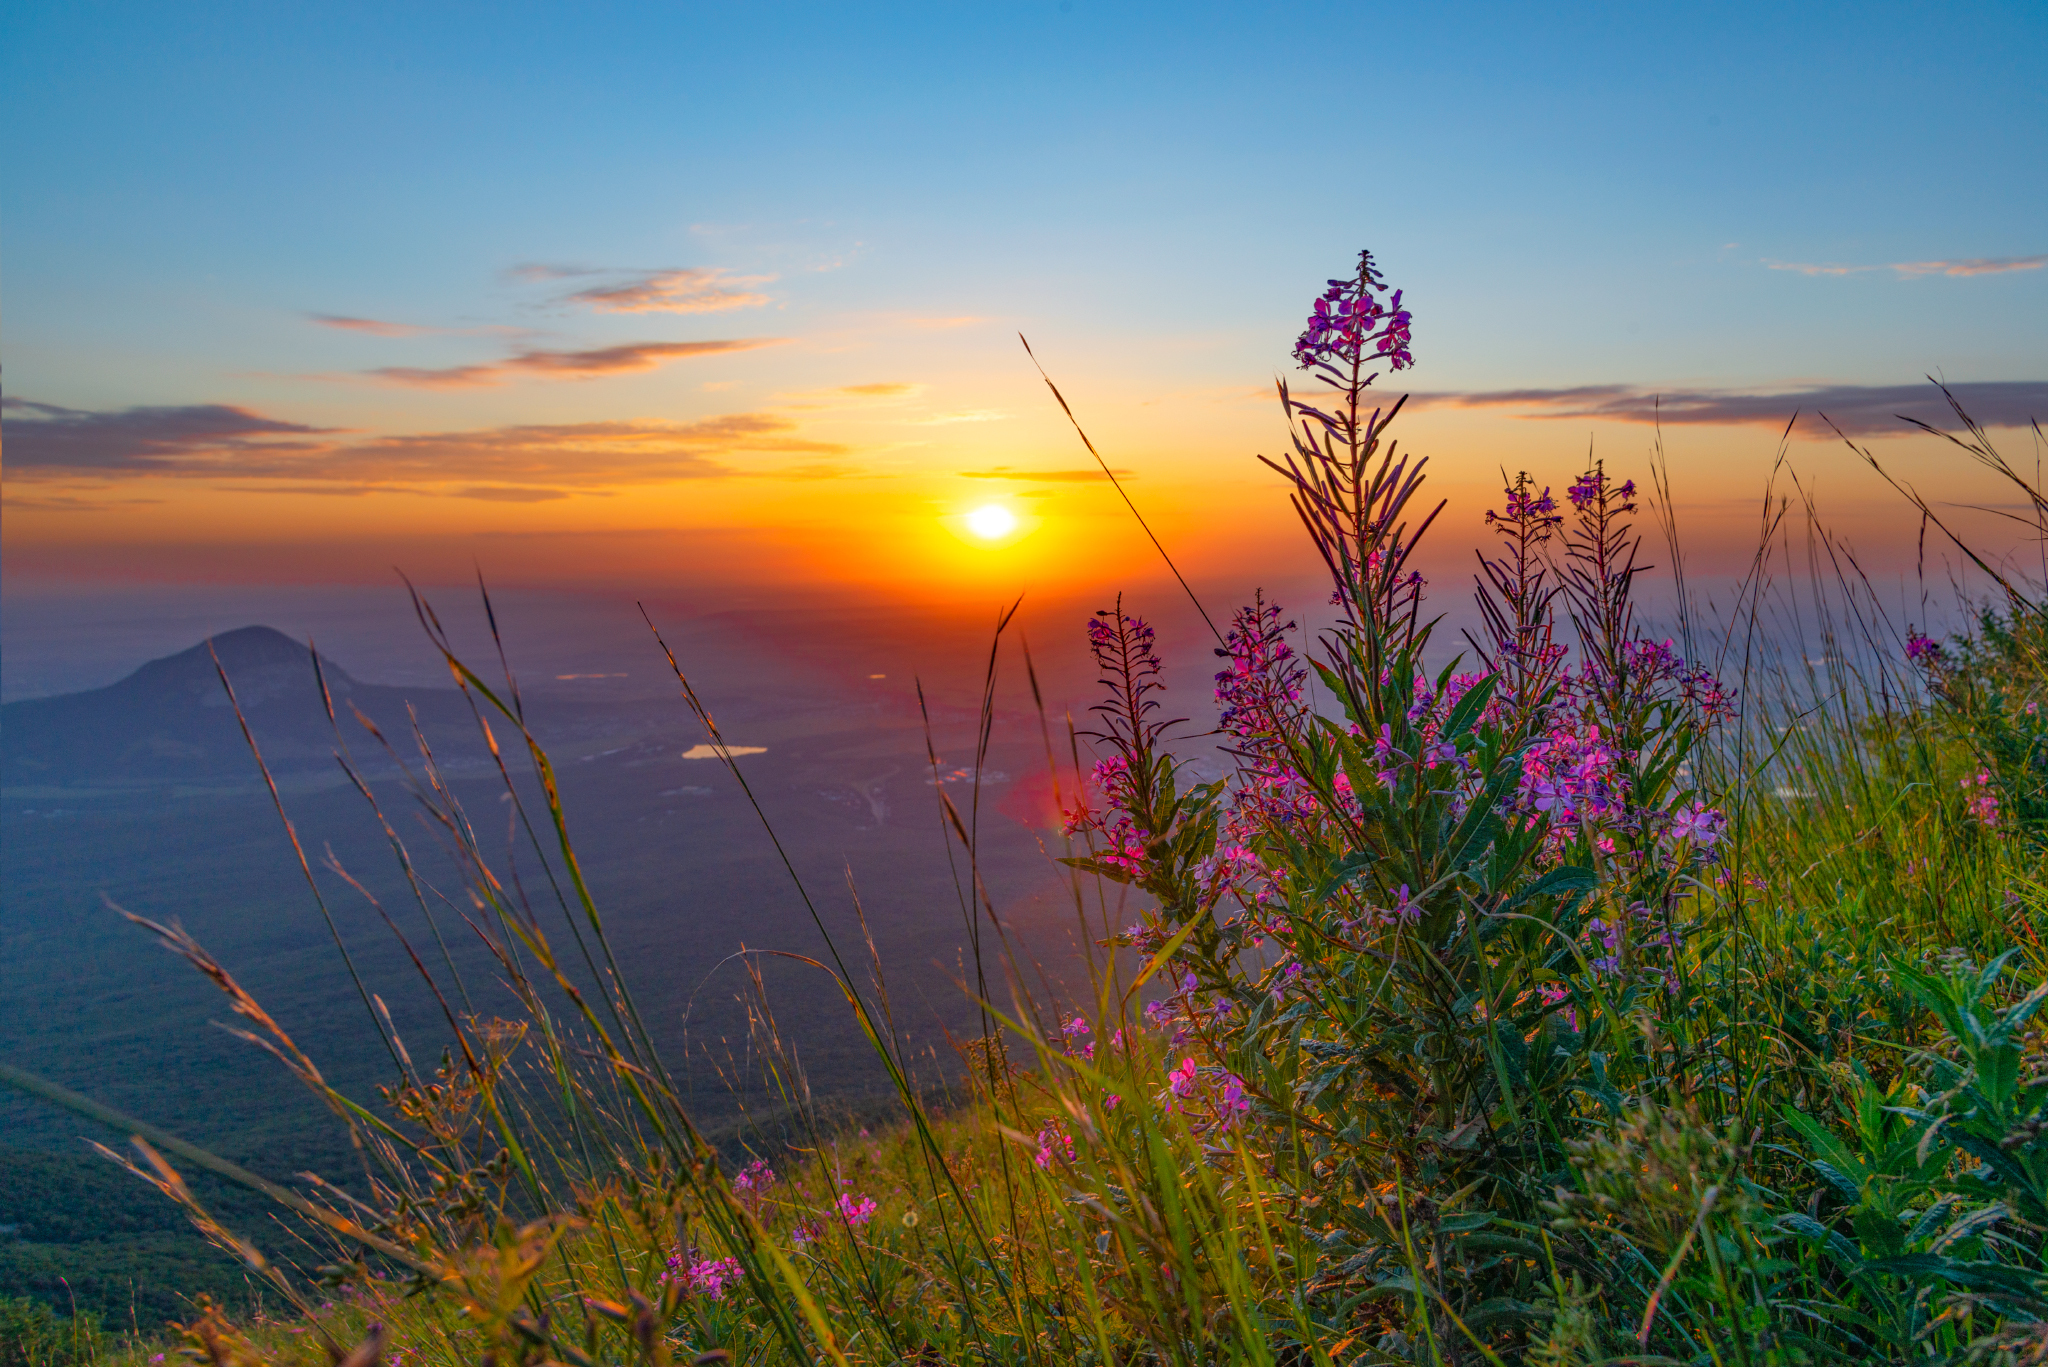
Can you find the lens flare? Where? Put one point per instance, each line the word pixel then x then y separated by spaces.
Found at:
pixel 992 523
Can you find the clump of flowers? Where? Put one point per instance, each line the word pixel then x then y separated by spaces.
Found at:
pixel 1055 1145
pixel 854 1209
pixel 706 1277
pixel 1396 918
pixel 752 1182
pixel 1983 799
pixel 1074 1037
pixel 1351 326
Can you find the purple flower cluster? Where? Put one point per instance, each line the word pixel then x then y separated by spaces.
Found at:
pixel 1525 507
pixel 753 1181
pixel 1594 489
pixel 1922 650
pixel 1352 327
pixel 1055 1145
pixel 706 1277
pixel 1570 775
pixel 1983 799
pixel 1214 1097
pixel 855 1209
pixel 1260 689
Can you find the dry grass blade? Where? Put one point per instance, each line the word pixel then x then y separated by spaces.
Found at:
pixel 1122 492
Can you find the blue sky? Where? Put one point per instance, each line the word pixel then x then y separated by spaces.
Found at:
pixel 859 207
pixel 1558 191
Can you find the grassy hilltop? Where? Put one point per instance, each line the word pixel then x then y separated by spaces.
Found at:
pixel 1598 997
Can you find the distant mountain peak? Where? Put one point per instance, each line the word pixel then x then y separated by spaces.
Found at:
pixel 261 662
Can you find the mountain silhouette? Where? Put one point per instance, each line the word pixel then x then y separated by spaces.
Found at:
pixel 171 723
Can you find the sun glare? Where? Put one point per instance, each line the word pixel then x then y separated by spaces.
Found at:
pixel 992 523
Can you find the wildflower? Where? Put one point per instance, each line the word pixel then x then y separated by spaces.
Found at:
pixel 710 1277
pixel 1350 327
pixel 1054 1144
pixel 1922 650
pixel 1184 1078
pixel 856 1211
pixel 1592 488
pixel 1699 823
pixel 1984 804
pixel 1260 690
pixel 754 1179
pixel 1405 910
pixel 806 1233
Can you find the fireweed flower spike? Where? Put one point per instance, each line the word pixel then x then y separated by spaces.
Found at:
pixel 1351 495
pixel 1350 326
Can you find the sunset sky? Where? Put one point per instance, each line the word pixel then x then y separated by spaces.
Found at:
pixel 726 298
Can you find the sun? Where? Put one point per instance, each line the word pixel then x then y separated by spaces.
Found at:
pixel 992 523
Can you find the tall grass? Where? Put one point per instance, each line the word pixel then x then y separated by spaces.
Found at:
pixel 1610 1000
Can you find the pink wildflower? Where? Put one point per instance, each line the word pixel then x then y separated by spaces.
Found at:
pixel 1054 1144
pixel 1984 804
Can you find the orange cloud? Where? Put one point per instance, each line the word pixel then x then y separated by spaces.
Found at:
pixel 572 365
pixel 879 391
pixel 373 326
pixel 685 290
pixel 1976 265
pixel 500 493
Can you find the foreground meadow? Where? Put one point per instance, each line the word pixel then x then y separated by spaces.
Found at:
pixel 1595 997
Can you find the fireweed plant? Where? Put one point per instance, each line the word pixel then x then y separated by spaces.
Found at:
pixel 1423 938
pixel 1504 1011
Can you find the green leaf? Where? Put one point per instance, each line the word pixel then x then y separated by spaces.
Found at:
pixel 1564 878
pixel 1840 1249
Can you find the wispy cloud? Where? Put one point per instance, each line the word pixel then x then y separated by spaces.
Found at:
pixel 1859 410
pixel 1043 476
pixel 375 327
pixel 666 289
pixel 564 365
pixel 515 463
pixel 890 390
pixel 680 290
pixel 527 272
pixel 66 503
pixel 45 437
pixel 500 493
pixel 1975 265
pixel 380 327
